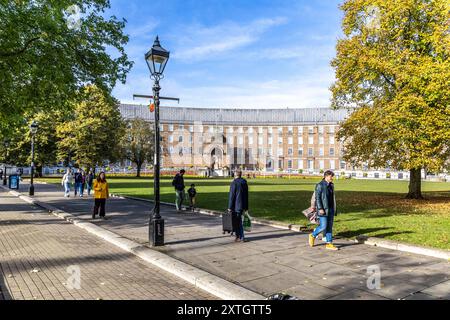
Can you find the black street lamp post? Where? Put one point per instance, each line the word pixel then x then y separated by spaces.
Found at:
pixel 6 144
pixel 156 59
pixel 33 130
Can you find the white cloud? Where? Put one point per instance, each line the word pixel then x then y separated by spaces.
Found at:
pixel 199 43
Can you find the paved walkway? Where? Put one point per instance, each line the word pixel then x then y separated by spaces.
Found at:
pixel 36 249
pixel 274 260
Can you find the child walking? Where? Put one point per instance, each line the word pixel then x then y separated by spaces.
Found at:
pixel 192 193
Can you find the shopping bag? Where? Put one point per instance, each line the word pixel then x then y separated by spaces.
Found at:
pixel 247 222
pixel 311 215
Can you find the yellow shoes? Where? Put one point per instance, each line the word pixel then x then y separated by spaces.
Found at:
pixel 311 240
pixel 330 246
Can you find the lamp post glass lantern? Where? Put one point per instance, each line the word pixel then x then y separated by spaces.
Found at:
pixel 156 58
pixel 33 130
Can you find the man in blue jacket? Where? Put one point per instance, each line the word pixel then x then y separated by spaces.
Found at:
pixel 326 210
pixel 238 204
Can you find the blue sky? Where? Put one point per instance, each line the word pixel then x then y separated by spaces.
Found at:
pixel 234 54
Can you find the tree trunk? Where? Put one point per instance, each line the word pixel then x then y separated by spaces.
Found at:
pixel 415 184
pixel 139 165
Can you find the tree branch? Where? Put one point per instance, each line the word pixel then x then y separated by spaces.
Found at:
pixel 19 52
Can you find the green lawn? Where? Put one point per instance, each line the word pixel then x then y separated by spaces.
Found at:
pixel 373 208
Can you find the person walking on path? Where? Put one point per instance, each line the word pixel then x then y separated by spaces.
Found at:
pixel 89 182
pixel 101 193
pixel 66 182
pixel 78 180
pixel 192 193
pixel 83 183
pixel 326 210
pixel 178 183
pixel 238 204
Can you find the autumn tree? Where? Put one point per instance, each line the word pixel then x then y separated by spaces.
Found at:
pixel 393 69
pixel 138 143
pixel 50 49
pixel 92 133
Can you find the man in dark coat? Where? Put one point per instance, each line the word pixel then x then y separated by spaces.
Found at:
pixel 178 184
pixel 238 204
pixel 326 210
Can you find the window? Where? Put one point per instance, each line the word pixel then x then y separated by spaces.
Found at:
pixel 180 139
pixel 280 130
pixel 180 127
pixel 331 139
pixel 170 127
pixel 250 130
pixel 310 130
pixel 241 140
pixel 191 139
pixel 310 152
pixel 342 165
pixel 300 152
pixel 170 139
pixel 321 152
pixel 171 150
pixel 280 164
pixel 290 151
pixel 300 130
pixel 260 130
pixel 211 129
pixel 280 140
pixel 331 129
pixel 280 152
pixel 321 140
pixel 241 130
pixel 230 129
pixel 332 164
pixel 250 140
pixel 270 130
pixel 321 129
pixel 290 140
pixel 200 150
pixel 300 140
pixel 310 164
pixel 290 130
pixel 289 164
pixel 260 140
pixel 270 140
pixel 331 151
pixel 311 140
pixel 191 128
pixel 322 164
pixel 260 151
pixel 161 127
pixel 300 164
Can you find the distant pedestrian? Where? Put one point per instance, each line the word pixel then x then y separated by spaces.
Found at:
pixel 66 182
pixel 101 193
pixel 78 180
pixel 326 210
pixel 192 194
pixel 238 204
pixel 178 183
pixel 83 183
pixel 89 182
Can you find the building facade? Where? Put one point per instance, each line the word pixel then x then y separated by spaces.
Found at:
pixel 270 140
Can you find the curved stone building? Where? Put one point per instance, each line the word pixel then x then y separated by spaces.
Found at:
pixel 272 140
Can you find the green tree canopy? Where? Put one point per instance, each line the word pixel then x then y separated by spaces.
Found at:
pixel 393 68
pixel 138 143
pixel 92 133
pixel 45 59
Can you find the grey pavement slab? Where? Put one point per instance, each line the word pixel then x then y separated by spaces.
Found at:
pixel 273 260
pixel 36 249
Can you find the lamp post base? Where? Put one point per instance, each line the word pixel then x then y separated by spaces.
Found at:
pixel 31 191
pixel 156 232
